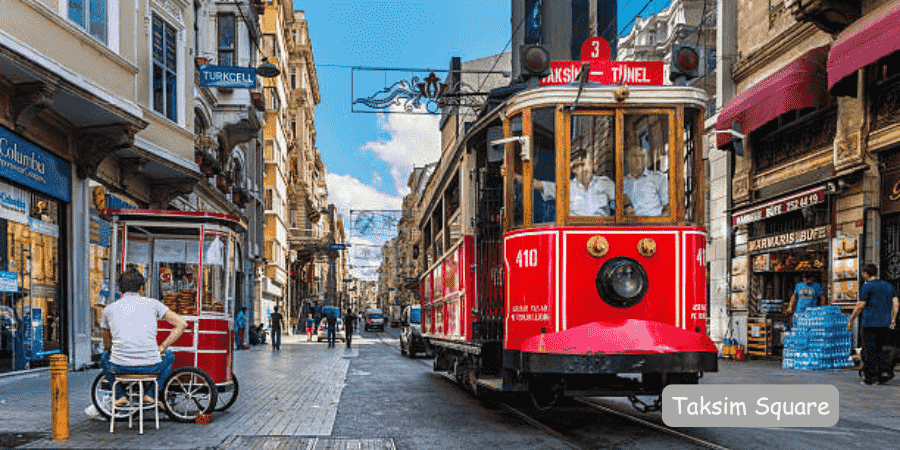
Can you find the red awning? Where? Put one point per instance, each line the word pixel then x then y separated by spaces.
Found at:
pixel 865 41
pixel 800 84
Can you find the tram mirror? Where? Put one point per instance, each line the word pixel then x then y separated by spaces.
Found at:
pixel 494 152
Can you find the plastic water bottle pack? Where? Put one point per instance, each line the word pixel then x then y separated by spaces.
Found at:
pixel 818 340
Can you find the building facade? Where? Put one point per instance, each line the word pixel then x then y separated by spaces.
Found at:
pixel 813 87
pixel 101 109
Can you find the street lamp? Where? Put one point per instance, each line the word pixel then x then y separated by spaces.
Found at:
pixel 267 69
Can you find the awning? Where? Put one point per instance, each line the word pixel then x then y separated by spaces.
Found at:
pixel 865 41
pixel 800 84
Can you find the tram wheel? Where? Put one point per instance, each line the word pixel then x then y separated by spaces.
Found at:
pixel 188 392
pixel 102 397
pixel 227 394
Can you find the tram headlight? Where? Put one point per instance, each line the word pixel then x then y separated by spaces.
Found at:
pixel 622 282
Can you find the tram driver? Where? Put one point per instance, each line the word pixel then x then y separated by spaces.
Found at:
pixel 648 189
pixel 592 192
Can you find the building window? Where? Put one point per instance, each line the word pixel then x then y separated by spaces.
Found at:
pixel 95 13
pixel 268 199
pixel 273 103
pixel 226 40
pixel 165 69
pixel 294 129
pixel 293 78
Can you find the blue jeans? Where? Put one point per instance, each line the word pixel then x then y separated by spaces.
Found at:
pixel 163 369
pixel 332 332
pixel 276 338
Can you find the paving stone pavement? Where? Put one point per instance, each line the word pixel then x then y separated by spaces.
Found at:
pixel 294 392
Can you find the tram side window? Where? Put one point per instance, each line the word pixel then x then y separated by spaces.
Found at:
pixel 544 165
pixel 516 170
pixel 451 202
pixel 647 174
pixel 592 162
pixel 692 189
pixel 437 224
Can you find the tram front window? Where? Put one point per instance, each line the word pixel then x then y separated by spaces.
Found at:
pixel 646 180
pixel 592 185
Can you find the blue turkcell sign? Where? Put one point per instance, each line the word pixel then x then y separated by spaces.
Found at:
pixel 337 247
pixel 27 164
pixel 227 76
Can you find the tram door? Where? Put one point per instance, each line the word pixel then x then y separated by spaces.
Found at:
pixel 488 236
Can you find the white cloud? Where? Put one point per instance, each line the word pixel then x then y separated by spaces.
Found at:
pixel 415 141
pixel 347 193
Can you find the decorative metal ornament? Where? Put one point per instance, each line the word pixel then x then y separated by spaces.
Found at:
pixel 597 246
pixel 412 95
pixel 646 247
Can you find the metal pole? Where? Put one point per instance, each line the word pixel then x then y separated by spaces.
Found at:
pixel 59 396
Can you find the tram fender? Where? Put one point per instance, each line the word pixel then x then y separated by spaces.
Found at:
pixel 620 337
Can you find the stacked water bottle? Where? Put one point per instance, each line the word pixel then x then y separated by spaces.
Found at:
pixel 770 306
pixel 818 340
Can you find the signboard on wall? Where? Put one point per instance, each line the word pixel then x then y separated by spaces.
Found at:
pixel 779 206
pixel 227 76
pixel 29 165
pixel 786 239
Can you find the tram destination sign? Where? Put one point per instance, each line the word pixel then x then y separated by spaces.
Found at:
pixel 607 72
pixel 794 237
pixel 227 76
pixel 779 206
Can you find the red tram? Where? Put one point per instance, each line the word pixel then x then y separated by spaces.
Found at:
pixel 570 259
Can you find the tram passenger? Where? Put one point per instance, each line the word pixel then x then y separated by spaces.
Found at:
pixel 592 192
pixel 647 189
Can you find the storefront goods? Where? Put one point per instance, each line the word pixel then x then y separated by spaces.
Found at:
pixel 819 340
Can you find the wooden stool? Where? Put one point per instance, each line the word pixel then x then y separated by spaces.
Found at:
pixel 131 380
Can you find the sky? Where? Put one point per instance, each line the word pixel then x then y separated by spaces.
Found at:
pixel 368 157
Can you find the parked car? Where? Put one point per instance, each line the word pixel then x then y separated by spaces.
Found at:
pixel 411 340
pixel 395 311
pixel 339 334
pixel 374 320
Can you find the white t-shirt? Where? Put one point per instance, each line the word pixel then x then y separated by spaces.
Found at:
pixel 649 193
pixel 132 322
pixel 595 200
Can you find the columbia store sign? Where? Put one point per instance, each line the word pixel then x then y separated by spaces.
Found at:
pixel 29 165
pixel 596 52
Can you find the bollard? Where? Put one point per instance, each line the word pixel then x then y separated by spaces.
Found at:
pixel 59 396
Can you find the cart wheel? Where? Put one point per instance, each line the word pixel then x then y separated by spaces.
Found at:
pixel 189 391
pixel 102 396
pixel 227 394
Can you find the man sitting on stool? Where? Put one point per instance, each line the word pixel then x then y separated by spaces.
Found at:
pixel 129 335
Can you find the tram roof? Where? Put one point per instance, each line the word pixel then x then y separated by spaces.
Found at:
pixel 602 95
pixel 187 217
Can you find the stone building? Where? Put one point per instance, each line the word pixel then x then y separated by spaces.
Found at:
pixel 813 86
pixel 275 44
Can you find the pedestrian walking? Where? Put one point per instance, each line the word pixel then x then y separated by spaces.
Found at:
pixel 276 320
pixel 331 322
pixel 310 327
pixel 878 305
pixel 807 294
pixel 349 320
pixel 240 326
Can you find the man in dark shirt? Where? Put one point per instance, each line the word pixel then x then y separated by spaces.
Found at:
pixel 349 320
pixel 878 304
pixel 276 321
pixel 331 321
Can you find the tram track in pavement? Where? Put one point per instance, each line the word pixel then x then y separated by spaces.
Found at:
pixel 539 420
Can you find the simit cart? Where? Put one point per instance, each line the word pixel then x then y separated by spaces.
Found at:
pixel 165 246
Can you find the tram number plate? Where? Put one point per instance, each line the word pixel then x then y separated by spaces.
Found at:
pixel 527 258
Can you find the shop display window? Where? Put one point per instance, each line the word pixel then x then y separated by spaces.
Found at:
pixel 31 315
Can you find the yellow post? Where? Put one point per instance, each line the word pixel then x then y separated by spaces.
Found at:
pixel 59 396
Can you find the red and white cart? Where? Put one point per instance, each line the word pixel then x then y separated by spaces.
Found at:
pixel 189 262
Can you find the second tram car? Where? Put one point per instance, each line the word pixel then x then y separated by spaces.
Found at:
pixel 570 259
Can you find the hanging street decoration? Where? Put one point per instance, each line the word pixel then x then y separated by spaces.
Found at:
pixel 423 93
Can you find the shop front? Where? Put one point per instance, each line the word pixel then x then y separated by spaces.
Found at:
pixel 35 189
pixel 786 238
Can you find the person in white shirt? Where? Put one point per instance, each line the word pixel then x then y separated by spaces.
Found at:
pixel 647 189
pixel 129 335
pixel 590 194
